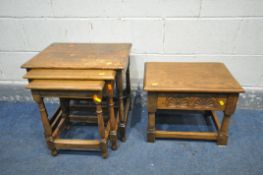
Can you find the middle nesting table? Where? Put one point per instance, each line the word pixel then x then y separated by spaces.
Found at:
pixel 71 84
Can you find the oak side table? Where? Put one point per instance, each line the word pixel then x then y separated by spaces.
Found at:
pixel 206 87
pixel 89 56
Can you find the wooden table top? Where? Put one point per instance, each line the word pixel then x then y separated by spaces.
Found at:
pixel 75 85
pixel 82 56
pixel 65 74
pixel 189 77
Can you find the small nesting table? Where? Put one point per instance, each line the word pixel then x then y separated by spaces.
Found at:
pixel 207 87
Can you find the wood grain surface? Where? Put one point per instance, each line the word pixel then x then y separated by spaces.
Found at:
pixel 68 74
pixel 82 56
pixel 189 77
pixel 66 85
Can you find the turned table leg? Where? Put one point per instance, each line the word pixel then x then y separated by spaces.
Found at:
pixel 229 110
pixel 46 125
pixel 113 123
pixel 103 142
pixel 152 100
pixel 122 124
pixel 128 86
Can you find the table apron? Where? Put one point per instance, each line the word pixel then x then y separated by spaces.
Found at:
pixel 190 101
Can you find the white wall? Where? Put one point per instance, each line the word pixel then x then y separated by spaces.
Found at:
pixel 229 31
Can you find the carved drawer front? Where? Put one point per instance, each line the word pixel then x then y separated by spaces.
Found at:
pixel 191 101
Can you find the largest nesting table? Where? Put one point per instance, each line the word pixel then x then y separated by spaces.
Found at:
pixel 88 56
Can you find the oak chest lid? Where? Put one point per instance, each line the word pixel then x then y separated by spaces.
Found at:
pixel 189 77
